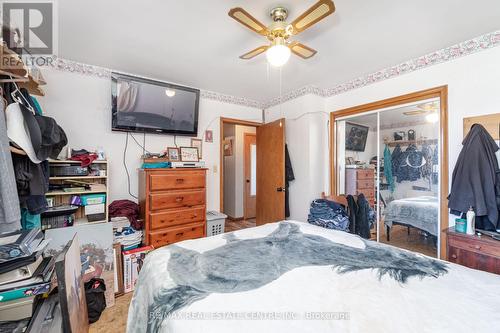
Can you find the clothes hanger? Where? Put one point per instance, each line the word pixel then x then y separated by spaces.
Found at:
pixel 19 97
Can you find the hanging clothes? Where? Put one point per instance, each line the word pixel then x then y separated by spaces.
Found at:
pixel 10 214
pixel 395 160
pixel 476 179
pixel 408 164
pixel 363 217
pixel 352 208
pixel 388 167
pixel 289 176
pixel 426 169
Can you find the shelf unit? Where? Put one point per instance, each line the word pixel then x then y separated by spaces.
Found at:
pixel 415 142
pixel 64 197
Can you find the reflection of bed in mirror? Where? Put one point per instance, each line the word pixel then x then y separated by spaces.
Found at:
pixel 418 212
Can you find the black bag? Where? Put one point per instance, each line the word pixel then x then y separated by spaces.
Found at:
pixel 96 302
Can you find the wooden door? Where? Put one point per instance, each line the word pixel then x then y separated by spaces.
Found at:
pixel 250 168
pixel 271 172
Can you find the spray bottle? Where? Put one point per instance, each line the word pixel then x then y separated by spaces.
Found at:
pixel 471 221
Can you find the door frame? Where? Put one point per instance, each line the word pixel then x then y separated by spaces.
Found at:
pixel 221 150
pixel 437 92
pixel 246 157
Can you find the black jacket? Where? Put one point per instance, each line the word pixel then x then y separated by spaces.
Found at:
pixel 289 176
pixel 475 179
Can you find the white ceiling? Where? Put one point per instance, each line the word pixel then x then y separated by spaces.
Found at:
pixel 195 43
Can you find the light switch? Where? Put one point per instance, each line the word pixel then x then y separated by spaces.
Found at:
pixel 215 168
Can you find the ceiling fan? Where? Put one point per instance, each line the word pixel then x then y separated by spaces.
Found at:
pixel 279 32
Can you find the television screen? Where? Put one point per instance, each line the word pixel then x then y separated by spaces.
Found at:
pixel 142 105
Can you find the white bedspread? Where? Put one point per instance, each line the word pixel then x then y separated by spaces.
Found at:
pixel 304 294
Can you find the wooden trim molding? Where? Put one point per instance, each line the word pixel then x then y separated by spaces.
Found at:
pixel 221 150
pixel 438 92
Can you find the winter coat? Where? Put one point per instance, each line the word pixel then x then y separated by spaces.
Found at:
pixel 475 179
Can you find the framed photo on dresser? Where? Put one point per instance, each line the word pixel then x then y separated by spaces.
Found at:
pixel 173 154
pixel 197 143
pixel 189 154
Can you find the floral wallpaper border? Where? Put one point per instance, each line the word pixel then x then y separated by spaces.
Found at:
pixel 105 73
pixel 468 47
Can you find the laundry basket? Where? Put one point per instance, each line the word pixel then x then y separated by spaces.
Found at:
pixel 215 223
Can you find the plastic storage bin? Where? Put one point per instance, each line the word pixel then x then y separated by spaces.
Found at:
pixel 215 223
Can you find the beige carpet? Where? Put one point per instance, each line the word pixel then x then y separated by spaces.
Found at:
pixel 114 319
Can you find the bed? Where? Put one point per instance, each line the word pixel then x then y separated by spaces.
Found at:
pixel 419 212
pixel 296 277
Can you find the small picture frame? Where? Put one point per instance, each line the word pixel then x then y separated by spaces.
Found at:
pixel 209 136
pixel 228 147
pixel 189 154
pixel 400 136
pixel 173 154
pixel 197 143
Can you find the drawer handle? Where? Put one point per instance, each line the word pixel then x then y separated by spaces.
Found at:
pixel 179 180
pixel 477 247
pixel 179 234
pixel 179 199
pixel 454 256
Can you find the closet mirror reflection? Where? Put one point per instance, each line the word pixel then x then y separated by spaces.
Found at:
pixel 389 158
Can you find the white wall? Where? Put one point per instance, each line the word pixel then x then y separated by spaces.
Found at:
pixel 473 89
pixel 234 173
pixel 81 104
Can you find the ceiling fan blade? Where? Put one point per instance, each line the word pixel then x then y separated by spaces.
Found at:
pixel 313 15
pixel 254 52
pixel 301 50
pixel 242 16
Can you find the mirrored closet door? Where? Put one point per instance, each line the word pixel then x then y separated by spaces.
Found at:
pixel 390 159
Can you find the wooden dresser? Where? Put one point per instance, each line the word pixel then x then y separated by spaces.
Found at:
pixel 173 204
pixel 359 181
pixel 482 253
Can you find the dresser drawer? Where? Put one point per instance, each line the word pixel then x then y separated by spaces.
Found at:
pixel 364 174
pixel 475 246
pixel 365 183
pixel 167 219
pixel 369 193
pixel 177 180
pixel 176 234
pixel 177 199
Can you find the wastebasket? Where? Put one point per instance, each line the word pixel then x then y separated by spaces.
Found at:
pixel 215 223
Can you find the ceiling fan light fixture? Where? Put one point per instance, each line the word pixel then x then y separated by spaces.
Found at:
pixel 278 54
pixel 432 117
pixel 170 92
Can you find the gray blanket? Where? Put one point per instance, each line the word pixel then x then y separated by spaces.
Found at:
pixel 419 212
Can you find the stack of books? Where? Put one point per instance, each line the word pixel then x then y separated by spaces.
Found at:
pixel 25 275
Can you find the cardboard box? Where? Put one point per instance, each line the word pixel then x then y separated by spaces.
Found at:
pixel 94 209
pixel 132 264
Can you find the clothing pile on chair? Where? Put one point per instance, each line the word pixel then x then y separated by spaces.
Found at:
pixel 358 219
pixel 328 214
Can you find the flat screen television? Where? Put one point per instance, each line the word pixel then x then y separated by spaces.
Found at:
pixel 143 105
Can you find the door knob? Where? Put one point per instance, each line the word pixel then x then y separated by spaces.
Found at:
pixel 248 180
pixel 281 189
